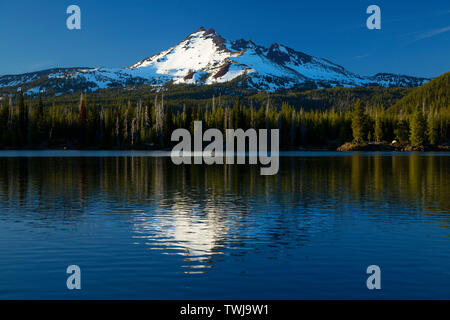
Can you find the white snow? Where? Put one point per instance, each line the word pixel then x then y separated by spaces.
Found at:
pixel 197 60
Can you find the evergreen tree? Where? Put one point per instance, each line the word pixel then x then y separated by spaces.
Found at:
pixel 4 123
pixel 40 108
pixel 82 119
pixel 378 132
pixel 114 122
pixel 358 122
pixel 23 120
pixel 417 128
pixel 432 129
pixel 401 130
pixel 40 119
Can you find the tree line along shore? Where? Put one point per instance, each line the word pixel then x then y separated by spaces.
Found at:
pixel 419 121
pixel 148 125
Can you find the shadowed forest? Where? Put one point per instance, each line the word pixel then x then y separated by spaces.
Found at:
pixel 421 116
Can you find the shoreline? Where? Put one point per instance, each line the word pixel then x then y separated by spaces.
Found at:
pixel 346 147
pixel 396 146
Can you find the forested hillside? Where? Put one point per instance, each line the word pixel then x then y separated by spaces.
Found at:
pixel 139 117
pixel 434 94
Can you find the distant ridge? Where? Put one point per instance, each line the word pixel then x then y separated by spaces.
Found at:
pixel 204 58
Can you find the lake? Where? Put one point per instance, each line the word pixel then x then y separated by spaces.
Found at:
pixel 140 227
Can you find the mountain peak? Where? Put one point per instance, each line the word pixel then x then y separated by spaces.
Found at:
pixel 274 46
pixel 204 57
pixel 204 31
pixel 210 31
pixel 206 34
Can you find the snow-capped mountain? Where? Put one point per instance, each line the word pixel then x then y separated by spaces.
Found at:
pixel 203 58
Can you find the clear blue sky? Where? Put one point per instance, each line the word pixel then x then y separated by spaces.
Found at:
pixel 414 39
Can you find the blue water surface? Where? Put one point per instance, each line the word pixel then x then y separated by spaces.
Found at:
pixel 140 227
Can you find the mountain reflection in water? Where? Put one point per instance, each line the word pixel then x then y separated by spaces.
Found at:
pixel 320 214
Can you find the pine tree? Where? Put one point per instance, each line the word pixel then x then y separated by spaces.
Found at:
pixel 125 125
pixel 432 129
pixel 417 128
pixel 117 130
pixel 159 118
pixel 40 108
pixel 40 120
pixel 23 120
pixel 378 132
pixel 293 136
pixel 358 122
pixel 187 118
pixel 168 124
pixel 82 119
pixel 267 113
pixel 4 123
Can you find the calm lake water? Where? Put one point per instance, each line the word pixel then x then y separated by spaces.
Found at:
pixel 140 227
